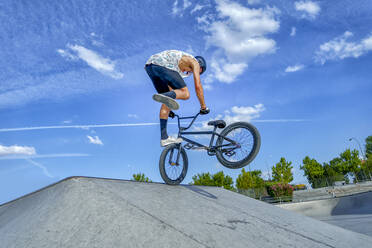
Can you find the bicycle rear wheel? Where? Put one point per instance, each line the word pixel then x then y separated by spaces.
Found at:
pixel 249 141
pixel 172 172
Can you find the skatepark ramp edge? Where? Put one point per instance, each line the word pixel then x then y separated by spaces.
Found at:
pixel 102 212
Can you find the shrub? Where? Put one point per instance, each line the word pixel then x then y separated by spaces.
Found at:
pixel 281 190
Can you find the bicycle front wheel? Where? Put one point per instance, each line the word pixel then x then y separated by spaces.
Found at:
pixel 171 171
pixel 248 142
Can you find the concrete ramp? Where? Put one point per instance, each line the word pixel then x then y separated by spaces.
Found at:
pixel 93 212
pixel 347 205
pixel 353 212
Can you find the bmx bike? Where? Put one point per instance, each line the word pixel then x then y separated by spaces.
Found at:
pixel 236 146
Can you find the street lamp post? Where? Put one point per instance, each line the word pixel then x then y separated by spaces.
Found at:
pixel 360 147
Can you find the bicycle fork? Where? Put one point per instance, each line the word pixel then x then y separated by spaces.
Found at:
pixel 178 156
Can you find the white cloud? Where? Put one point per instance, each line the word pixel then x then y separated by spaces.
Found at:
pixel 94 140
pixel 207 87
pixel 367 43
pixel 67 54
pixel 293 31
pixel 226 72
pixel 235 114
pixel 244 113
pixel 133 116
pixel 239 35
pixel 340 48
pixel 54 87
pixel 60 155
pixel 197 8
pixel 186 4
pixel 42 167
pixel 204 19
pixel 294 68
pixel 281 120
pixel 253 1
pixel 190 50
pixel 175 8
pixel 16 150
pixel 310 8
pixel 93 59
pixel 178 10
pixel 85 127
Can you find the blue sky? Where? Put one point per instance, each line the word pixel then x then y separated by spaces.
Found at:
pixel 72 79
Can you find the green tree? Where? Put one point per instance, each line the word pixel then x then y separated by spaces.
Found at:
pixel 250 183
pixel 314 172
pixel 219 179
pixel 350 162
pixel 282 172
pixel 367 168
pixel 331 175
pixel 249 180
pixel 140 177
pixel 203 179
pixel 368 150
pixel 340 168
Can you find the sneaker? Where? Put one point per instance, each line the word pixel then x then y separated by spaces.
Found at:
pixel 170 102
pixel 170 140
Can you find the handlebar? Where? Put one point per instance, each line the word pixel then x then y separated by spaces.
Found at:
pixel 201 112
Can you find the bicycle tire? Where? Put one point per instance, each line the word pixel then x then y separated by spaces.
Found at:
pixel 163 161
pixel 253 152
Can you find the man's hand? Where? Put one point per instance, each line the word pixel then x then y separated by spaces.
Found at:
pixel 204 111
pixel 171 114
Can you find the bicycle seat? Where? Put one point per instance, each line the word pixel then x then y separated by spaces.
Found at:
pixel 218 123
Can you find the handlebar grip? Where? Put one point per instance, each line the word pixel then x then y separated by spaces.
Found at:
pixel 171 114
pixel 204 111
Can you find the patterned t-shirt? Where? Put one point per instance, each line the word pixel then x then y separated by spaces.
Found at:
pixel 169 59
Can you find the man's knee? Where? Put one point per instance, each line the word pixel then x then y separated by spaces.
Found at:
pixel 164 109
pixel 186 93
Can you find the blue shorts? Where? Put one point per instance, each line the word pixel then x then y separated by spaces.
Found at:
pixel 162 77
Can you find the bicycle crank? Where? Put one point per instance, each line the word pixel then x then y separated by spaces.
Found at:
pixel 230 153
pixel 199 148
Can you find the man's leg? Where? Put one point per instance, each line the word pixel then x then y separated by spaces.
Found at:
pixel 182 94
pixel 164 112
pixel 174 81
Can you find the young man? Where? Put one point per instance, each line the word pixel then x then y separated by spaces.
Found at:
pixel 167 70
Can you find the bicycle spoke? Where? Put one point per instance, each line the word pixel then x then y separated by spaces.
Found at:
pixel 172 170
pixel 244 138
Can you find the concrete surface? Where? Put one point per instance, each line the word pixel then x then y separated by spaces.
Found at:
pixel 352 212
pixel 331 192
pixel 92 212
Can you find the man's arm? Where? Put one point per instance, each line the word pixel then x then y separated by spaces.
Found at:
pixel 198 86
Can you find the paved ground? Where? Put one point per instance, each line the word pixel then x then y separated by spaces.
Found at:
pixel 92 212
pixel 350 212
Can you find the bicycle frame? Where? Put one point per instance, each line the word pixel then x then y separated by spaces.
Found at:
pixel 211 150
